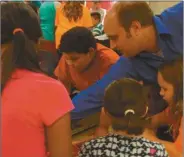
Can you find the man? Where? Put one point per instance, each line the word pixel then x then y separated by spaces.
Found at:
pixel 83 61
pixel 145 40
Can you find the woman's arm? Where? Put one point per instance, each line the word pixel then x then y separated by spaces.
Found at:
pixel 59 137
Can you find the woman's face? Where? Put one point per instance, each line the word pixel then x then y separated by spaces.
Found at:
pixel 167 89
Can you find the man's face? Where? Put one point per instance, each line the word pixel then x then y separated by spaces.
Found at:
pixel 167 89
pixel 126 42
pixel 78 61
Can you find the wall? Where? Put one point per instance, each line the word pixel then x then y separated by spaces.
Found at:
pixel 158 7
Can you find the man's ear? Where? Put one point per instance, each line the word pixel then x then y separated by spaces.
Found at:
pixel 135 28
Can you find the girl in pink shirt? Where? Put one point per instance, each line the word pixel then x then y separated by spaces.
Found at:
pixel 35 108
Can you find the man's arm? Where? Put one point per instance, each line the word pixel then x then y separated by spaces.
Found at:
pixel 91 99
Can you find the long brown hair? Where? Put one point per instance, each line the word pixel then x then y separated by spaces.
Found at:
pixel 172 72
pixel 73 10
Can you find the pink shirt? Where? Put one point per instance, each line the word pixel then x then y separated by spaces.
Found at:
pixel 30 101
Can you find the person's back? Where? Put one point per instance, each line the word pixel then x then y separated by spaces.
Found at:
pixel 47 13
pixel 26 108
pixel 125 104
pixel 69 15
pixel 35 107
pixel 118 145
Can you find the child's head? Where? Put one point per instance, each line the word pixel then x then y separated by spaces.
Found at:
pixel 78 47
pixel 20 32
pixel 170 79
pixel 126 104
pixel 96 18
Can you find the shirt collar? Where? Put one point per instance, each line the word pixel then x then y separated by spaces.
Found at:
pixel 160 26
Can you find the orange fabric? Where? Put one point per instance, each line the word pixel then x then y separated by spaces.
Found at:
pixel 104 59
pixel 63 24
pixel 179 140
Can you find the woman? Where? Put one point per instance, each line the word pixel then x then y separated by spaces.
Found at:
pixel 35 107
pixel 69 15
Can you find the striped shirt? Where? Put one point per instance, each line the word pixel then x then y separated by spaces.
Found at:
pixel 98 30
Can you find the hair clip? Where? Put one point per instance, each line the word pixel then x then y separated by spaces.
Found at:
pixel 129 111
pixel 17 30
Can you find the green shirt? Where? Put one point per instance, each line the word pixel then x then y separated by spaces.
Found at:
pixel 47 13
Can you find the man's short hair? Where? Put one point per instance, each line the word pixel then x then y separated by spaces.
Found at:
pixel 127 12
pixel 77 39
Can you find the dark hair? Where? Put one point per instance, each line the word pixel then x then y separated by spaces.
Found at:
pixel 33 6
pixel 21 50
pixel 73 10
pixel 155 101
pixel 122 95
pixel 172 72
pixel 127 12
pixel 77 39
pixel 96 15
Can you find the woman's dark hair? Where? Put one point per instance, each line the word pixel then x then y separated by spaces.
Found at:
pixel 73 10
pixel 172 72
pixel 122 95
pixel 33 6
pixel 77 39
pixel 20 48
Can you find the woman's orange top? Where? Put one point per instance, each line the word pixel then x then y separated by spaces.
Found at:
pixel 63 24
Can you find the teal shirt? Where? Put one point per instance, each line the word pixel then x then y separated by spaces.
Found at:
pixel 47 13
pixel 37 3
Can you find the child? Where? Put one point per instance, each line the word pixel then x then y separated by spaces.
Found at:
pixel 125 105
pixel 35 108
pixel 97 29
pixel 170 79
pixel 83 61
pixel 96 7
